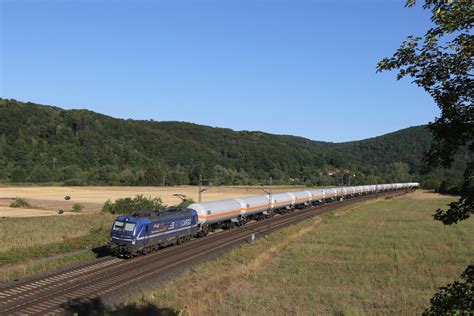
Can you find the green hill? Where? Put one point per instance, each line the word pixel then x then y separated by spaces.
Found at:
pixel 77 147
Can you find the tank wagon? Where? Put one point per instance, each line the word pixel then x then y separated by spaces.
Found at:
pixel 146 231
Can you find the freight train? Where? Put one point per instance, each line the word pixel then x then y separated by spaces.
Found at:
pixel 146 231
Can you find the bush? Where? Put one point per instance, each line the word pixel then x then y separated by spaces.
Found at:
pixel 77 208
pixel 130 205
pixel 20 202
pixel 40 174
pixel 431 183
pixel 448 188
pixel 186 203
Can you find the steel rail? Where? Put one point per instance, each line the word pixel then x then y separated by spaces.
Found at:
pixel 52 293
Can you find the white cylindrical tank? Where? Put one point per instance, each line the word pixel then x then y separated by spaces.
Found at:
pixel 254 204
pixel 350 190
pixel 216 211
pixel 317 195
pixel 330 193
pixel 302 197
pixel 282 200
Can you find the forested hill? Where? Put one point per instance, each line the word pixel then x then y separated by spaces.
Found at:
pixel 77 147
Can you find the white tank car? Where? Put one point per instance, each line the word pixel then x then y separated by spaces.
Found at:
pixel 216 211
pixel 317 195
pixel 330 193
pixel 302 197
pixel 282 200
pixel 358 190
pixel 350 190
pixel 254 204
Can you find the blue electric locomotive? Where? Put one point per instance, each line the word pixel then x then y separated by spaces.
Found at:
pixel 145 231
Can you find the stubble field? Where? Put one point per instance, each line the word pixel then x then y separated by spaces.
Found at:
pixel 48 200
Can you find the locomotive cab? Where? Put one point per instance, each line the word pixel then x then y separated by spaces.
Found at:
pixel 145 231
pixel 123 227
pixel 123 234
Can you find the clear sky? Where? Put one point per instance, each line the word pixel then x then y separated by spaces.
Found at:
pixel 304 68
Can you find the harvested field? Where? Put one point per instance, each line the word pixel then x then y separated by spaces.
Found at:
pixel 6 211
pixel 48 200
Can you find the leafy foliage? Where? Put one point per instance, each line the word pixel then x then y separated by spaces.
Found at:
pixel 78 147
pixel 185 203
pixel 130 205
pixel 441 63
pixel 456 298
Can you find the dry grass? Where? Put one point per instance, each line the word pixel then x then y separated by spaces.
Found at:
pixel 48 200
pixel 386 257
pixel 34 267
pixel 423 195
pixel 22 233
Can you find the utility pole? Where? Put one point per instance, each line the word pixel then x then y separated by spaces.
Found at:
pixel 270 201
pixel 201 189
pixel 269 192
pixel 271 182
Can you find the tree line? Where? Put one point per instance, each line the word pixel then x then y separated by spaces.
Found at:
pixel 45 144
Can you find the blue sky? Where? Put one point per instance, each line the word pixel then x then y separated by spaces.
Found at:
pixel 304 68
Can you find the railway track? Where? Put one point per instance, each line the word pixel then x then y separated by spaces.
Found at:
pixel 60 291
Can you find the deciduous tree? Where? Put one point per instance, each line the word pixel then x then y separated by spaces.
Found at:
pixel 441 62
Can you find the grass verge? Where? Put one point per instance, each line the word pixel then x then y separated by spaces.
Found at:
pixel 29 269
pixel 23 239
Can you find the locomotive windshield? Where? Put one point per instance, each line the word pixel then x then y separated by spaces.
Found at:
pixel 122 226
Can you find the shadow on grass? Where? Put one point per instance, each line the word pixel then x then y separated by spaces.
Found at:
pixel 96 307
pixel 101 251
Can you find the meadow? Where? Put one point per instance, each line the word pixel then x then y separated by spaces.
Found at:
pixel 377 257
pixel 25 239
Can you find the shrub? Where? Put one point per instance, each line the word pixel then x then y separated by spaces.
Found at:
pixel 20 202
pixel 431 183
pixel 130 205
pixel 77 208
pixel 186 203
